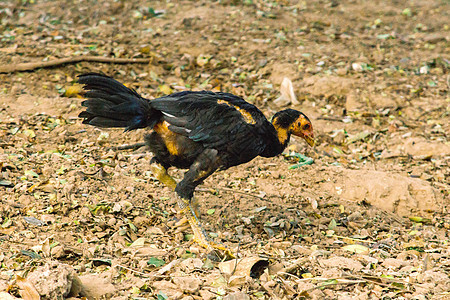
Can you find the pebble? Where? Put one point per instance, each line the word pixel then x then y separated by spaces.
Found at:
pixel 187 284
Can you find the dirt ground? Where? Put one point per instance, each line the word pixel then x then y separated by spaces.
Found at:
pixel 369 219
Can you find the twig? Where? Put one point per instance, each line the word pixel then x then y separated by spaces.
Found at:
pixel 372 278
pixel 292 267
pixel 392 215
pixel 132 270
pixel 70 60
pixel 270 291
pixel 250 244
pixel 287 288
pixel 427 112
pixel 14 204
pixel 330 119
pixel 339 282
pixel 380 283
pixel 353 239
pixel 90 174
pixel 232 190
pixel 288 274
pixel 237 255
pixel 354 278
pixel 223 208
pixel 128 147
pixel 3 145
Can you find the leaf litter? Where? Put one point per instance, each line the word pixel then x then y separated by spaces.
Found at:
pixel 375 86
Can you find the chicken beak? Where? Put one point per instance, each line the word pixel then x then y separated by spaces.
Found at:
pixel 310 140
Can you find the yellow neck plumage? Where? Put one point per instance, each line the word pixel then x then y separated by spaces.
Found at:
pixel 282 133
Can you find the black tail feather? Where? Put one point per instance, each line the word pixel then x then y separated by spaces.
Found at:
pixel 111 104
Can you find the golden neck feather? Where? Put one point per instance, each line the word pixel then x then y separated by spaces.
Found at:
pixel 282 132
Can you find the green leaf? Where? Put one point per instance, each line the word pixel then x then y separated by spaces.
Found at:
pixel 101 262
pixel 61 170
pixel 6 183
pixel 138 243
pixel 208 264
pixel 219 282
pixel 258 209
pixel 31 173
pixel 407 12
pixel 355 248
pixel 161 296
pixel 383 36
pixel 156 262
pixel 332 224
pixel 328 282
pixel 210 211
pixel 7 223
pixel 187 254
pixel 377 22
pixel 420 220
pixel 358 137
pixel 31 254
pixel 165 89
pixel 151 12
pixel 54 244
pixel 302 160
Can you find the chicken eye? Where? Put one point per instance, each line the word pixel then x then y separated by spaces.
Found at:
pixel 306 126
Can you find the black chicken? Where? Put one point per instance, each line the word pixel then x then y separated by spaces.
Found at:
pixel 200 131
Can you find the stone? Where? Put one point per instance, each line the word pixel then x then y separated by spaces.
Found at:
pixel 168 288
pixel 188 285
pixel 236 296
pixel 54 279
pixel 394 263
pixel 96 286
pixel 385 190
pixel 207 295
pixel 341 263
pixel 420 147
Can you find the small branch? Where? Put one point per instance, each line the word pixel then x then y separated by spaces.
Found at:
pixel 231 190
pixel 237 255
pixel 223 208
pixel 339 282
pixel 288 274
pixel 395 217
pixel 128 147
pixel 427 112
pixel 335 119
pixel 353 239
pixel 70 60
pixel 376 279
pixel 250 244
pixel 297 264
pixel 270 291
pixel 132 270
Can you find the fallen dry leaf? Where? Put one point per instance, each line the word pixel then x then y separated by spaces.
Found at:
pixel 27 289
pixel 287 94
pixel 247 266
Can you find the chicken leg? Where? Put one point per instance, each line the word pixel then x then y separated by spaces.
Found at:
pixel 161 174
pixel 187 203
